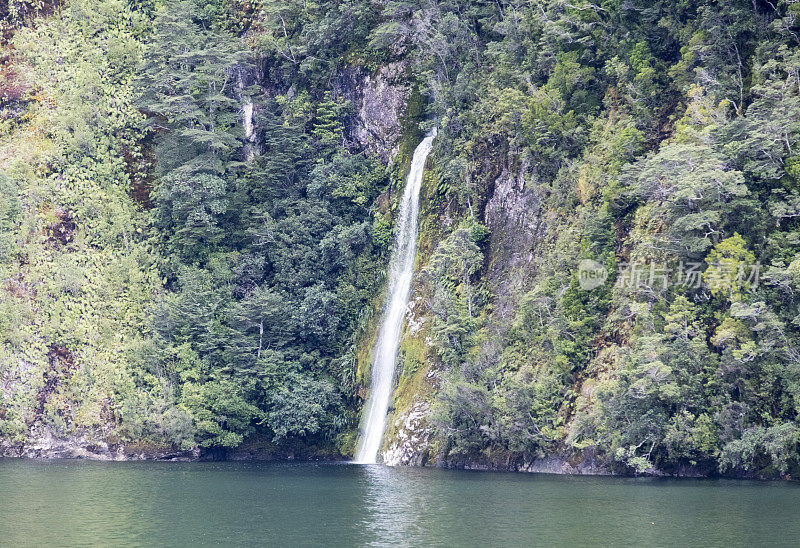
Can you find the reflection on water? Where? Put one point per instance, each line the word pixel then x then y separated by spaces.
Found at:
pixel 395 508
pixel 412 506
pixel 69 503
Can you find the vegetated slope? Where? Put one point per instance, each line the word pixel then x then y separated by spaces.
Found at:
pixel 198 218
pixel 659 136
pixel 191 238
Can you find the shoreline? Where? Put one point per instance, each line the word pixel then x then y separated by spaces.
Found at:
pixel 554 466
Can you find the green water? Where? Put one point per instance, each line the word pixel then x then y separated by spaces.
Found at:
pixel 180 504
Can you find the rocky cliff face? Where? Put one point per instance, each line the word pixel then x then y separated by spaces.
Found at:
pixel 513 214
pixel 43 444
pixel 410 444
pixel 379 102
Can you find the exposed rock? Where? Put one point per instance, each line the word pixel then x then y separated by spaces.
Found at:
pixel 42 444
pixel 559 465
pixel 513 217
pixel 415 322
pixel 584 464
pixel 413 437
pixel 379 101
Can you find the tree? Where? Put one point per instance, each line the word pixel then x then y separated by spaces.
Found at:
pixel 453 303
pixel 189 210
pixel 694 192
pixel 658 407
pixel 222 415
pixel 760 141
pixel 257 324
pixel 302 406
pixel 731 267
pixel 777 445
pixel 187 87
pixel 327 129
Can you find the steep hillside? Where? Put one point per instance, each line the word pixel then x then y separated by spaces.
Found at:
pixel 606 281
pixel 194 224
pixel 197 213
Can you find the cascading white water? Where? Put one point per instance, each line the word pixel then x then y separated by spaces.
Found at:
pixel 401 269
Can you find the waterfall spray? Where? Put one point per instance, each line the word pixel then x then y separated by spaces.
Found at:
pixel 401 269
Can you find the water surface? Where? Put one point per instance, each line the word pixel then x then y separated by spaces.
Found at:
pixel 180 504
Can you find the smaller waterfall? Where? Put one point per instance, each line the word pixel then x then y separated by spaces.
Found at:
pixel 249 129
pixel 248 116
pixel 401 269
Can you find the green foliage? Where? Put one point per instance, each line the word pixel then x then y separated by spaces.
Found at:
pixel 187 81
pixel 777 445
pixel 456 299
pixel 271 258
pixel 658 402
pixel 222 415
pixel 730 267
pixel 303 406
pixel 348 180
pixel 229 306
pixel 327 126
pixel 649 377
pixel 192 203
pixel 382 232
pixel 9 211
pixel 232 300
pixel 75 293
pixel 695 193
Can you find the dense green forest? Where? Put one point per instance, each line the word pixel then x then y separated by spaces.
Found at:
pixel 194 239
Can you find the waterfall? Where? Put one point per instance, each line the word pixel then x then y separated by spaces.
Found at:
pixel 248 111
pixel 401 269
